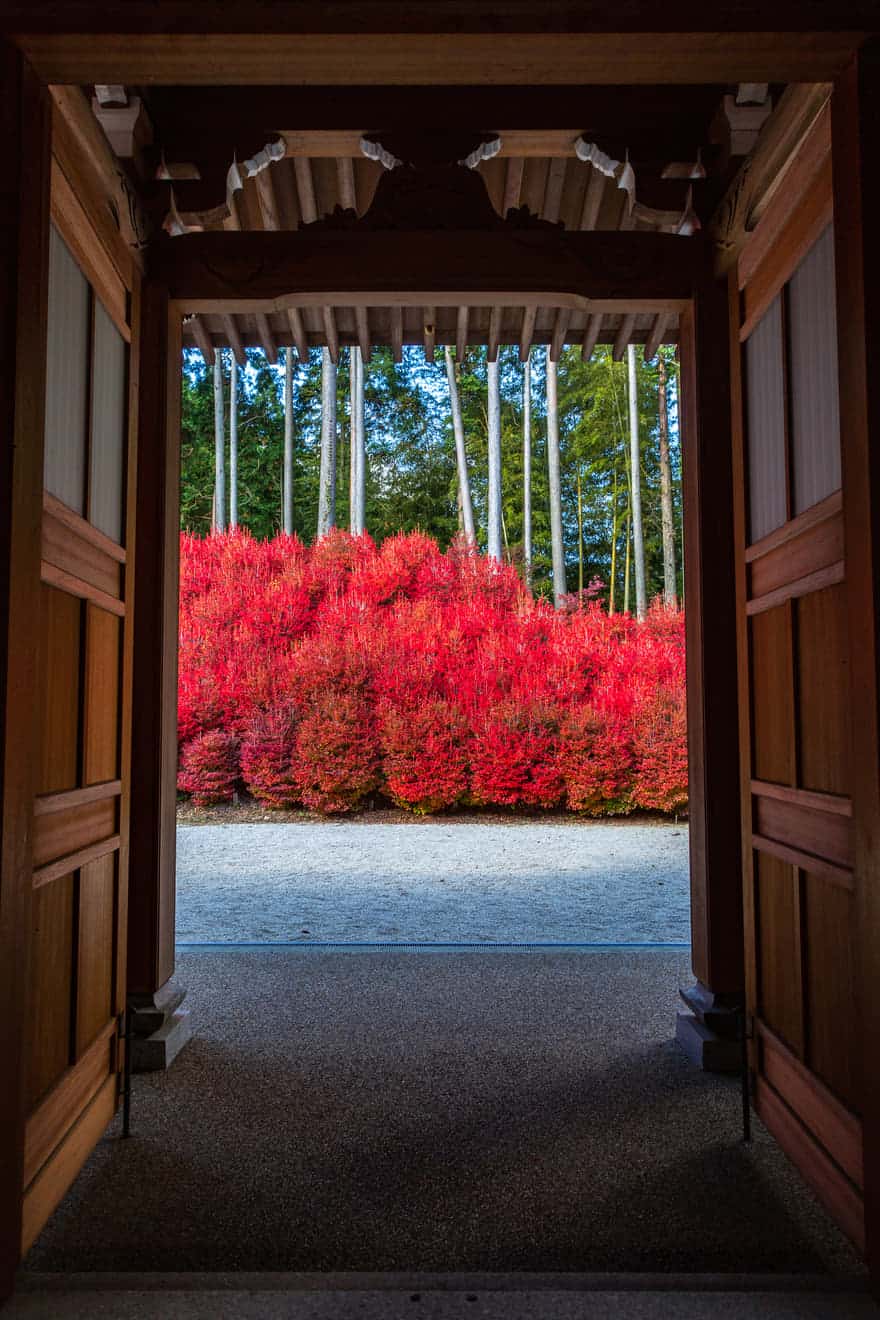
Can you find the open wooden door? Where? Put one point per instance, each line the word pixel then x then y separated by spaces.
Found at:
pixel 800 882
pixel 75 992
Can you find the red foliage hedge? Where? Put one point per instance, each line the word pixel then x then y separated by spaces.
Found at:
pixel 320 675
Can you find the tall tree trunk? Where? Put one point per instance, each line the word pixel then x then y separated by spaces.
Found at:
pixel 580 535
pixel 361 448
pixel 465 505
pixel 628 561
pixel 670 594
pixel 636 483
pixel 613 573
pixel 233 442
pixel 287 477
pixel 493 539
pixel 219 447
pixel 352 449
pixel 527 472
pixel 327 477
pixel 555 482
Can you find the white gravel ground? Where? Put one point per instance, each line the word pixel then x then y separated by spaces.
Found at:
pixel 433 882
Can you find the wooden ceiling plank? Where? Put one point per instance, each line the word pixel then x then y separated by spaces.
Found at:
pixel 346 183
pixel 513 183
pixel 331 334
pixel 397 333
pixel 591 335
pixel 265 186
pixel 362 322
pixel 230 329
pixel 527 330
pixel 305 187
pixel 494 335
pixel 655 338
pixel 266 337
pixel 203 340
pixel 593 195
pixel 624 334
pixel 553 192
pixel 429 331
pixel 560 330
pixel 461 333
pixel 298 330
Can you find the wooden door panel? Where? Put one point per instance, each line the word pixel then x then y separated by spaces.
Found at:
pixel 51 973
pixel 73 1048
pixel 798 836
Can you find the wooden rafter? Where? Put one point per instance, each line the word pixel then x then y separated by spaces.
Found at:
pixel 346 184
pixel 230 329
pixel 397 333
pixel 593 195
pixel 331 334
pixel 591 335
pixel 553 190
pixel 267 199
pixel 298 330
pixel 203 340
pixel 655 338
pixel 266 337
pixel 461 333
pixel 494 334
pixel 527 330
pixel 305 187
pixel 362 322
pixel 429 331
pixel 232 221
pixel 513 183
pixel 560 329
pixel 624 335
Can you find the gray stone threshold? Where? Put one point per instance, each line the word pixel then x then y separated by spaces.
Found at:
pixel 316 946
pixel 437 1297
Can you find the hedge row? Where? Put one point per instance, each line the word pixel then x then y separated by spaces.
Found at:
pixel 321 675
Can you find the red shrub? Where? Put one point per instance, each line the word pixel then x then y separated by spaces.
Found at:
pixel 268 753
pixel 435 678
pixel 209 767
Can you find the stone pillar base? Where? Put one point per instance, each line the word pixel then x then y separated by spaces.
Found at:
pixel 160 1028
pixel 709 1032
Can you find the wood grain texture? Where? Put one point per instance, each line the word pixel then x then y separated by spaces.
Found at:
pixel 780 1002
pixel 818 546
pixel 69 217
pixel 95 949
pixel 824 691
pixel 772 696
pixel 827 835
pixel 64 833
pixel 51 979
pixel 58 1111
pixel 79 557
pixel 59 681
pixel 101 696
pixel 830 1122
pixel 48 1188
pixel 839 1196
pixel 833 994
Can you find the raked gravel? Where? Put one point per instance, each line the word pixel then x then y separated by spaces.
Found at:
pixel 433 882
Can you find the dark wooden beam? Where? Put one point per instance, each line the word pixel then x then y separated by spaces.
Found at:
pixel 655 338
pixel 624 335
pixel 591 336
pixel 362 322
pixel 331 334
pixel 527 332
pixel 429 331
pixel 398 55
pixel 261 271
pixel 494 334
pixel 560 330
pixel 461 333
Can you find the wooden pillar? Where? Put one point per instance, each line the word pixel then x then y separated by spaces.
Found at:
pixel 855 152
pixel 25 129
pixel 157 345
pixel 709 1031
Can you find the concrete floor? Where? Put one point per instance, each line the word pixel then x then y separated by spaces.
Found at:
pixel 440 1112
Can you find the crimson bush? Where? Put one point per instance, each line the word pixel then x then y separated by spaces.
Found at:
pixel 320 675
